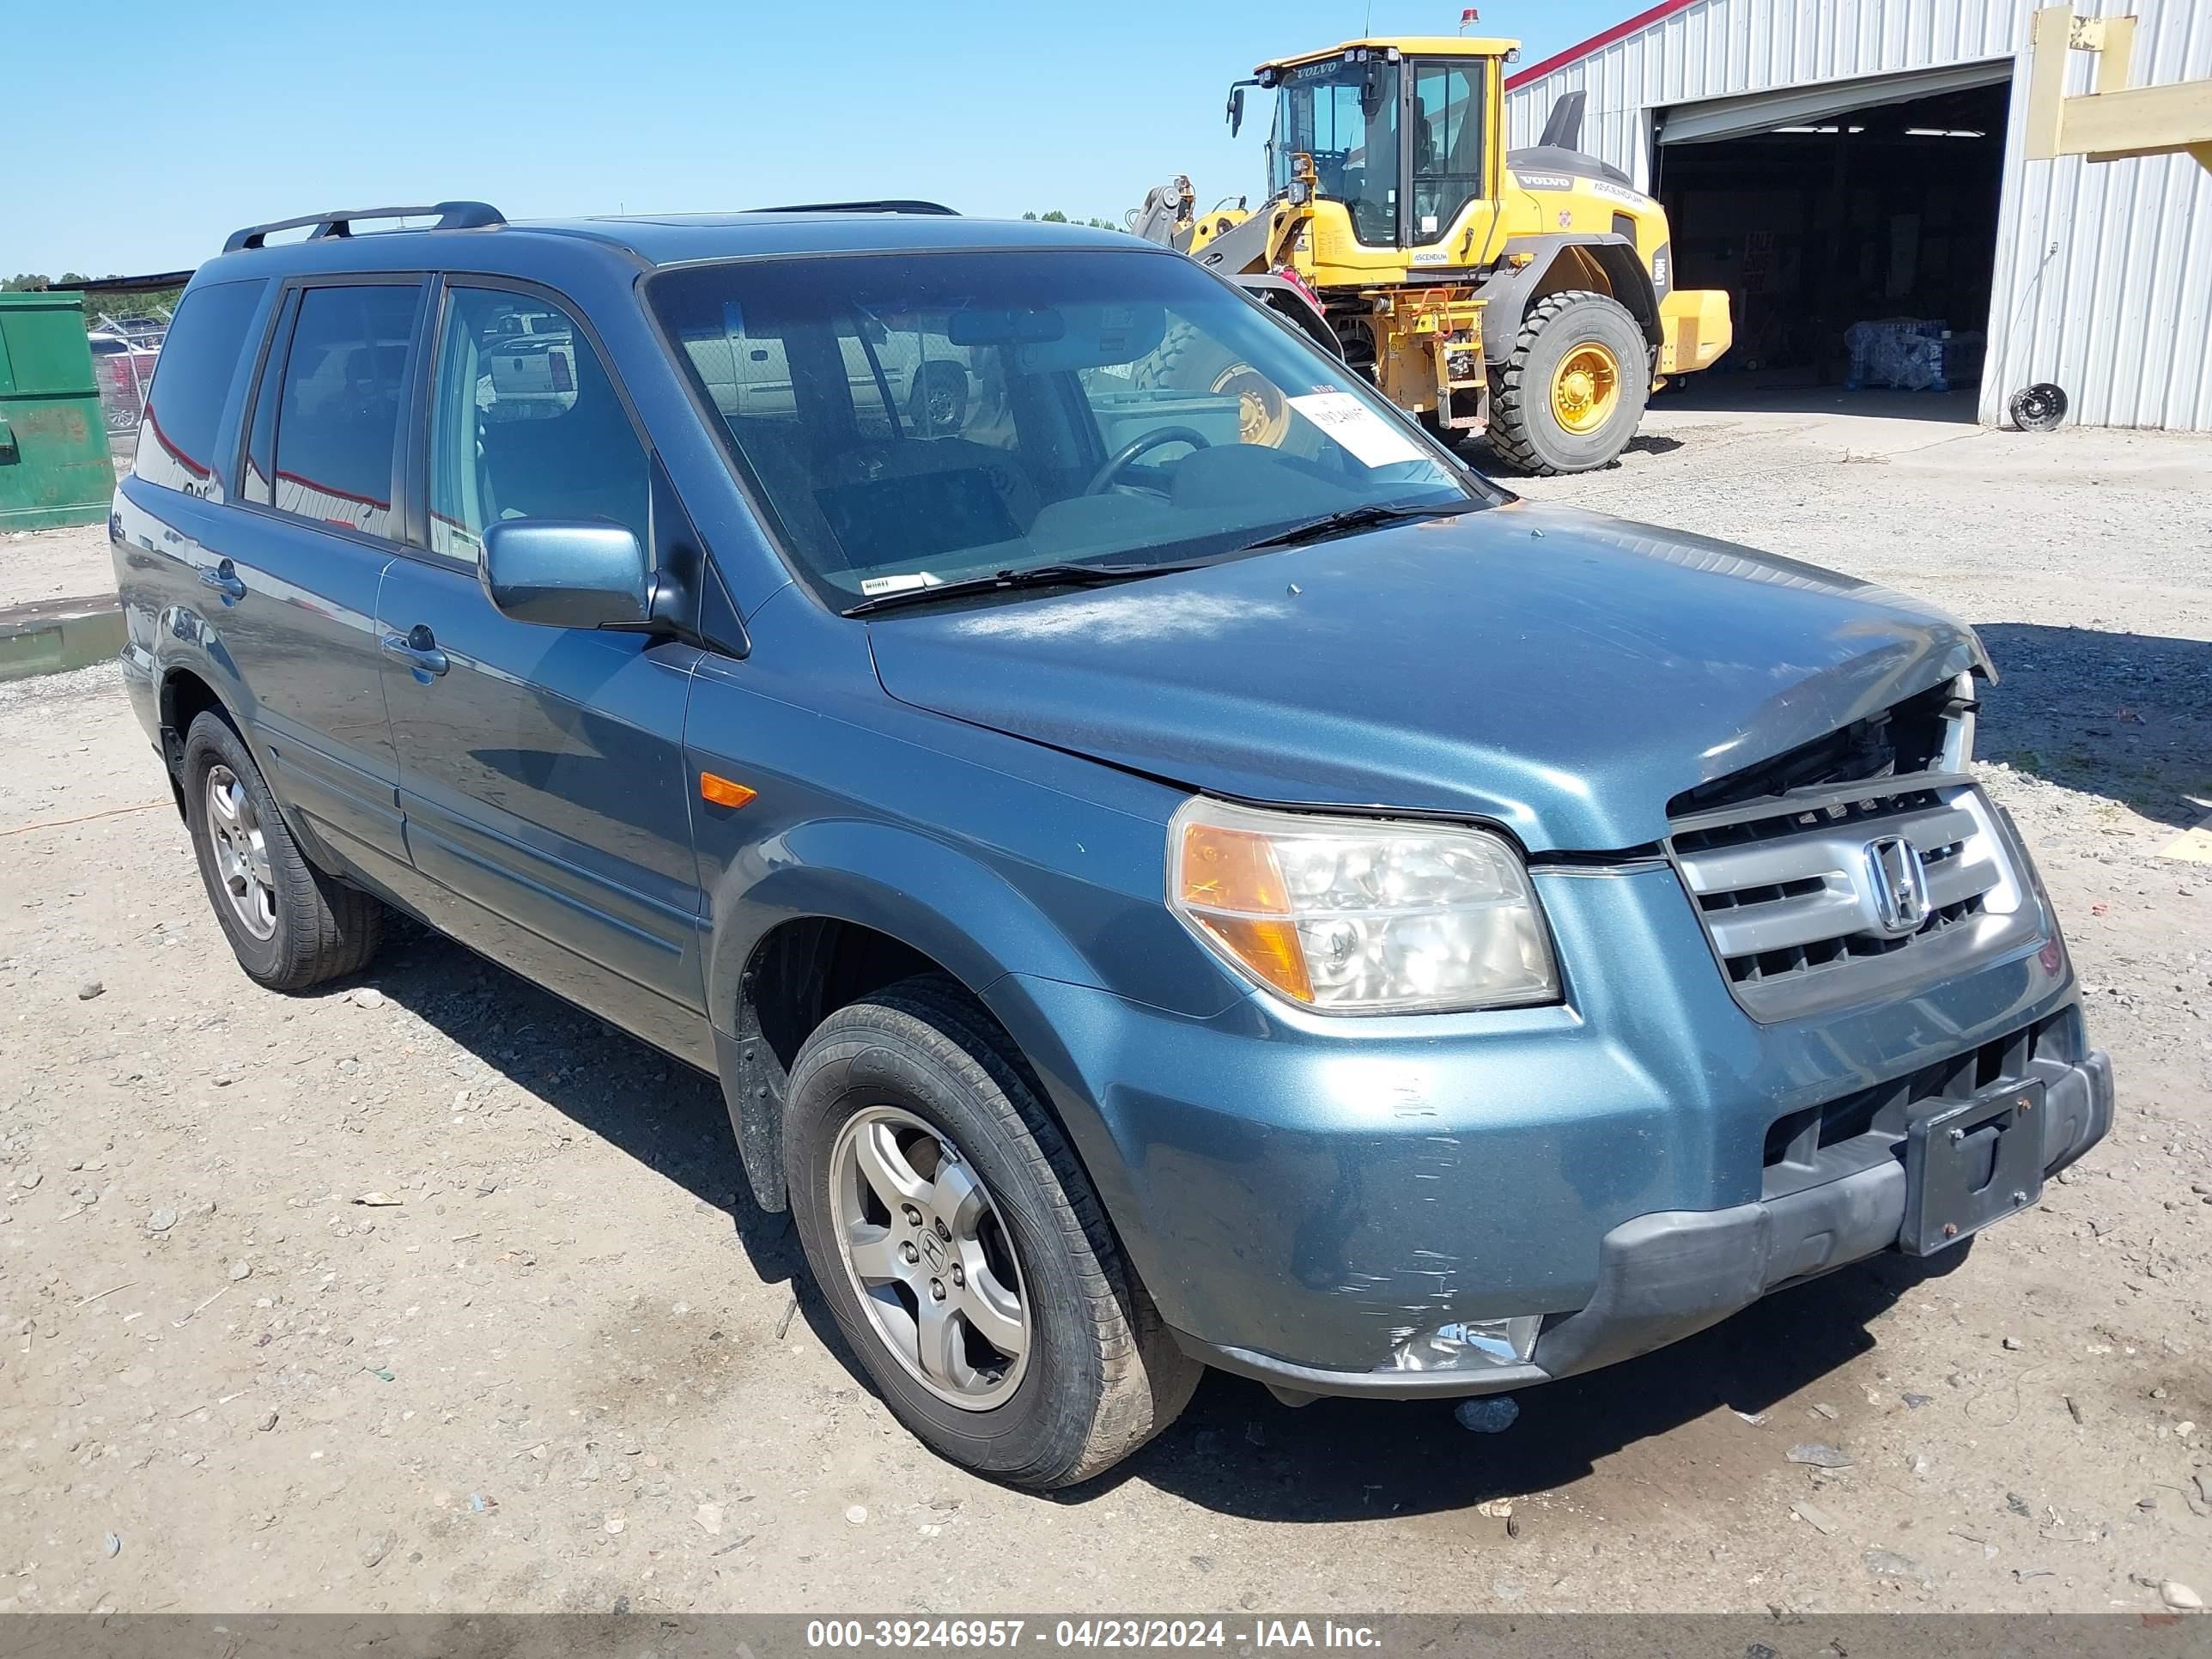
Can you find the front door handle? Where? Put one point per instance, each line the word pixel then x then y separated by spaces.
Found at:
pixel 418 648
pixel 224 579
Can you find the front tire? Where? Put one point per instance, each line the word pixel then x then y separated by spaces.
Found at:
pixel 1187 361
pixel 1571 394
pixel 290 927
pixel 961 1250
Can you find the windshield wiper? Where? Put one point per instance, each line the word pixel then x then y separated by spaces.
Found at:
pixel 1042 576
pixel 1360 518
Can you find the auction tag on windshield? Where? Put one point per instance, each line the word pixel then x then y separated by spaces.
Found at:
pixel 1372 441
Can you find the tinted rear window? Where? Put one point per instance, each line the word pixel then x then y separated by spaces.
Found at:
pixel 338 416
pixel 199 360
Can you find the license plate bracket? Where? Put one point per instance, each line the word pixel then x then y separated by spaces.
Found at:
pixel 1971 1163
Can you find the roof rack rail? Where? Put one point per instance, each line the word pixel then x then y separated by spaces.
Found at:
pixel 452 215
pixel 895 204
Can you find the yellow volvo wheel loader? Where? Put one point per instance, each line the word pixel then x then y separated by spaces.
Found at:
pixel 1527 295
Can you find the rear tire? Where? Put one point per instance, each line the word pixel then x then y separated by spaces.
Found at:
pixel 290 925
pixel 1092 1374
pixel 1535 393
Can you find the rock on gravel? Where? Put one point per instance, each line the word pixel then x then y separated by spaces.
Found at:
pixel 1816 1519
pixel 2180 1597
pixel 372 1547
pixel 1888 1564
pixel 1819 1457
pixel 161 1221
pixel 1491 1414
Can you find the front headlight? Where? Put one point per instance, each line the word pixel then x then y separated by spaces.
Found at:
pixel 1358 916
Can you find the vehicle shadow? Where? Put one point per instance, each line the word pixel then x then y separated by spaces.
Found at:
pixel 1236 1449
pixel 1478 453
pixel 2127 716
pixel 659 1110
pixel 1239 1451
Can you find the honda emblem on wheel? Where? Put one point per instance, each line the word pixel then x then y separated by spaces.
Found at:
pixel 1896 880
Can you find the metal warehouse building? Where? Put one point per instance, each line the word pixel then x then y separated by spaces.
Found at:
pixel 1831 161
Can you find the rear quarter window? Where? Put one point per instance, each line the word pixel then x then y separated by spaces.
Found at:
pixel 199 360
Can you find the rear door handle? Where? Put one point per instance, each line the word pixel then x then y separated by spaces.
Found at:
pixel 418 648
pixel 224 579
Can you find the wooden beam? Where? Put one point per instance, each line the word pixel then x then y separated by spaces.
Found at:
pixel 2143 121
pixel 2046 80
pixel 2115 52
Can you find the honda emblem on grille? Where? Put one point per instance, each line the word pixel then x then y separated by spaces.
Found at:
pixel 1896 880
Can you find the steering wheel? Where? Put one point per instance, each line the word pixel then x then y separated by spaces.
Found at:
pixel 1140 446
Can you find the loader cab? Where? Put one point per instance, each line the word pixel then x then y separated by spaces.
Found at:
pixel 1405 136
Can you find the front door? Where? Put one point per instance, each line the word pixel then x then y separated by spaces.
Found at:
pixel 541 769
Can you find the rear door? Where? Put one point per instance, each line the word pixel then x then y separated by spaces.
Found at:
pixel 320 514
pixel 171 528
pixel 541 769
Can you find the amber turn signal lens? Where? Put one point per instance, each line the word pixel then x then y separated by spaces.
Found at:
pixel 1233 888
pixel 724 792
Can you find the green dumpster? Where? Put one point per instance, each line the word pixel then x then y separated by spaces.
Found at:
pixel 54 468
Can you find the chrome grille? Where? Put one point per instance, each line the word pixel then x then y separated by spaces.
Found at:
pixel 1800 893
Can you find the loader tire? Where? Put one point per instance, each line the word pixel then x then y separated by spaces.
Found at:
pixel 1571 392
pixel 1187 361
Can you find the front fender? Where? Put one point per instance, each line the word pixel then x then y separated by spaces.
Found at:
pixel 877 876
pixel 1508 290
pixel 874 876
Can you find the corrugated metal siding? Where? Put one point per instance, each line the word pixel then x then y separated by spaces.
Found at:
pixel 2120 316
pixel 1723 48
pixel 2104 274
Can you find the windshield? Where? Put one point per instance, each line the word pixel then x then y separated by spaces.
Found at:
pixel 1344 115
pixel 911 420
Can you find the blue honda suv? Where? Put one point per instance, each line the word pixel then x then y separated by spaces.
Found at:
pixel 1169 867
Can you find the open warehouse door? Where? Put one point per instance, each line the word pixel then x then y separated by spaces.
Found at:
pixel 1820 208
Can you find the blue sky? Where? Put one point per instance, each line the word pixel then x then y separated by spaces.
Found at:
pixel 192 120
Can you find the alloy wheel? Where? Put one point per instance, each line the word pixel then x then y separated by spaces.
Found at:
pixel 241 851
pixel 925 1248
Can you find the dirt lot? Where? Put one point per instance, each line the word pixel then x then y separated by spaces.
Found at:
pixel 563 1371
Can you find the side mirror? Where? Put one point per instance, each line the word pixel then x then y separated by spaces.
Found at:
pixel 567 575
pixel 1235 111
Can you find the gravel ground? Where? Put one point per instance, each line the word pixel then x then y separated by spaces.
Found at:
pixel 54 564
pixel 429 1292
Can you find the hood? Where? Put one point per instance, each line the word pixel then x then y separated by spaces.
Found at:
pixel 1559 672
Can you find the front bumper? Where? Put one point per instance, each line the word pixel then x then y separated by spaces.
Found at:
pixel 1665 1276
pixel 1302 1196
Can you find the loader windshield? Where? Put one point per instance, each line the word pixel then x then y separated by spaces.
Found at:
pixel 1344 115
